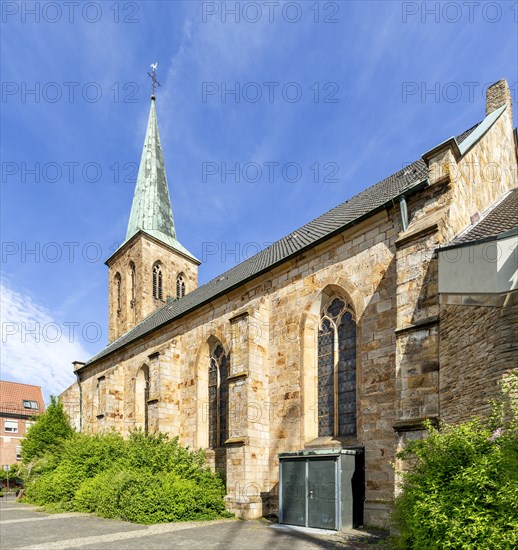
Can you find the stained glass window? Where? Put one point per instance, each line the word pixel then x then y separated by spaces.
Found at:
pixel 337 370
pixel 218 397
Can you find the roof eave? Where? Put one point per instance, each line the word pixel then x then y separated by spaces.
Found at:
pixel 450 143
pixel 498 237
pixel 391 202
pixel 149 236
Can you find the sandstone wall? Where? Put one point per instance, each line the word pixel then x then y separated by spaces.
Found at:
pixel 144 252
pixel 268 328
pixel 262 327
pixel 478 346
pixel 70 400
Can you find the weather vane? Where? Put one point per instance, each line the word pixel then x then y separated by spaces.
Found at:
pixel 154 81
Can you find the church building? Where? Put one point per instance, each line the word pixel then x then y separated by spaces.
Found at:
pixel 396 306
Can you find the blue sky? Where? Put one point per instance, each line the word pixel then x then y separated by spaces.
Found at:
pixel 331 98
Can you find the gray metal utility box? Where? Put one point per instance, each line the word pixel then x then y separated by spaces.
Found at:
pixel 323 489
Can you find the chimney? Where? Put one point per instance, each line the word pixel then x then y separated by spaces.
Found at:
pixel 498 94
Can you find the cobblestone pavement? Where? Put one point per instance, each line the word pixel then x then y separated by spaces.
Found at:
pixel 23 526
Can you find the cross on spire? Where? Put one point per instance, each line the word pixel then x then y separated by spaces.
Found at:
pixel 154 81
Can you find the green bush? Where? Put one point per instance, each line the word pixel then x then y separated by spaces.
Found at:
pixel 48 432
pixel 143 479
pixel 13 473
pixel 461 489
pixel 80 457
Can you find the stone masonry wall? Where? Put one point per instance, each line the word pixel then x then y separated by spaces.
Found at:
pixel 70 400
pixel 262 326
pixel 478 346
pixel 268 328
pixel 144 252
pixel 460 188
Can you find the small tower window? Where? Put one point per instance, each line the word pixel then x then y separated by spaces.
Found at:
pixel 180 286
pixel 118 292
pixel 132 282
pixel 157 282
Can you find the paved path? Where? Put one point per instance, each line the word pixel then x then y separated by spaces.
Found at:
pixel 23 526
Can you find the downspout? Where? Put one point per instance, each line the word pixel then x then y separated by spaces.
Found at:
pixel 404 212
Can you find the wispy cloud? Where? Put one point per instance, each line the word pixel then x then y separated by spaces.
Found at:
pixel 37 348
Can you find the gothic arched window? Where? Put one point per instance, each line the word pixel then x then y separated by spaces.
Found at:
pixel 118 292
pixel 157 282
pixel 218 397
pixel 337 370
pixel 141 398
pixel 180 286
pixel 132 283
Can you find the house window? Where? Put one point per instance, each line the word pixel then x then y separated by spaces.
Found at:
pixel 157 282
pixel 337 370
pixel 218 397
pixel 11 426
pixel 28 424
pixel 118 292
pixel 30 404
pixel 180 286
pixel 18 452
pixel 132 282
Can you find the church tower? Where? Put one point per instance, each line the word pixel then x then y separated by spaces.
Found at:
pixel 150 266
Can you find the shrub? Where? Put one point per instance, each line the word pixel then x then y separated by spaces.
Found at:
pixel 80 457
pixel 461 490
pixel 144 479
pixel 140 496
pixel 13 473
pixel 48 432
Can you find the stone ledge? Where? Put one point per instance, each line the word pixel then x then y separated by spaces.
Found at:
pixel 428 224
pixel 332 443
pixel 429 321
pixel 238 375
pixel 240 315
pixel 442 180
pixel 415 424
pixel 242 440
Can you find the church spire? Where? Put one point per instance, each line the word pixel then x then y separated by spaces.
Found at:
pixel 151 209
pixel 151 266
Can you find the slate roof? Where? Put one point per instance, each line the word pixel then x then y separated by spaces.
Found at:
pixel 498 219
pixel 350 211
pixel 12 395
pixel 334 221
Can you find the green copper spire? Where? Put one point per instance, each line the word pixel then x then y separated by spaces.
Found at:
pixel 151 209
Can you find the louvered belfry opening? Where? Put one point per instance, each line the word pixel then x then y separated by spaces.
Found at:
pixel 157 282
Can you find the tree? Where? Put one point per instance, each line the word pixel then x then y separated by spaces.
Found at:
pixel 48 433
